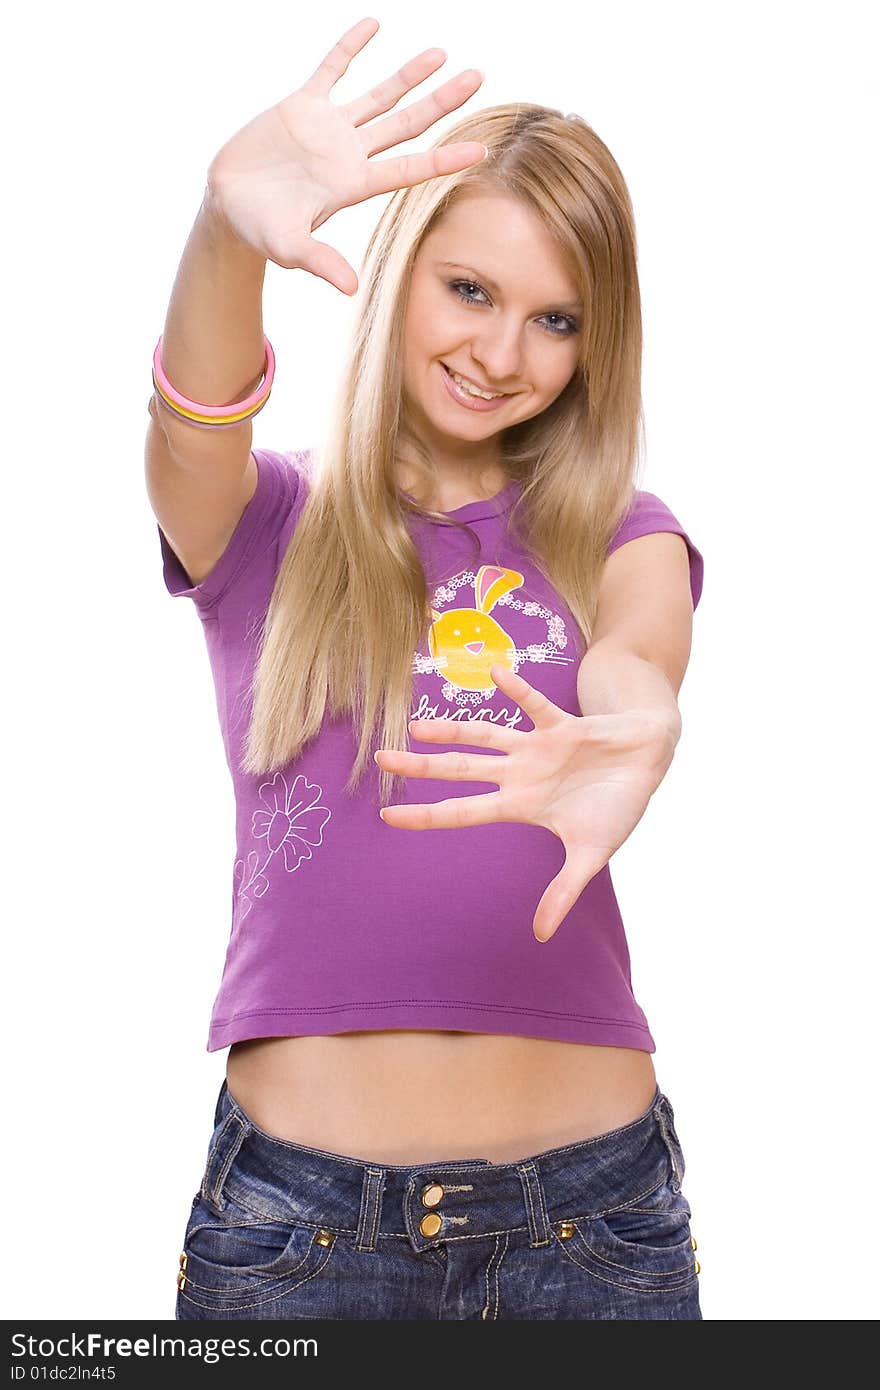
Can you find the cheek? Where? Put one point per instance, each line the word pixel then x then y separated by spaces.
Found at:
pixel 437 322
pixel 556 378
pixel 426 333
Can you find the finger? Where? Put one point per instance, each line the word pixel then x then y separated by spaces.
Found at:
pixel 563 892
pixel 446 815
pixel 542 712
pixel 337 61
pixel 386 175
pixel 482 733
pixel 452 767
pixel 415 120
pixel 325 261
pixel 389 92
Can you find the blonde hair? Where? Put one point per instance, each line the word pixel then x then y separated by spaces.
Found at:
pixel 350 605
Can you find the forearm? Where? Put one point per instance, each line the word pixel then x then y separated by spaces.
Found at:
pixel 212 345
pixel 612 679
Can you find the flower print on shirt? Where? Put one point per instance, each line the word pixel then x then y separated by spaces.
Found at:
pixel 465 641
pixel 291 824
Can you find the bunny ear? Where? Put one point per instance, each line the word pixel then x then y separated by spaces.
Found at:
pixel 491 583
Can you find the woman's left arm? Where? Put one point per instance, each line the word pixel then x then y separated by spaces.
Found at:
pixel 642 633
pixel 587 778
pixel 645 614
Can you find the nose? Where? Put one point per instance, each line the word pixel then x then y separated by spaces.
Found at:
pixel 499 357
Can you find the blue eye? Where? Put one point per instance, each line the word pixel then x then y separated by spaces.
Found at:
pixel 569 324
pixel 455 285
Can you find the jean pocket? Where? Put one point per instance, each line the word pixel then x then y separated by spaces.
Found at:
pixel 647 1245
pixel 237 1260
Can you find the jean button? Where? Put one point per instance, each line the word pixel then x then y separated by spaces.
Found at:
pixel 430 1224
pixel 432 1193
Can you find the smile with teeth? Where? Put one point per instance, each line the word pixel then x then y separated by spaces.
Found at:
pixel 471 388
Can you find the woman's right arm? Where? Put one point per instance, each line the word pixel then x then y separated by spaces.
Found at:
pixel 268 189
pixel 199 481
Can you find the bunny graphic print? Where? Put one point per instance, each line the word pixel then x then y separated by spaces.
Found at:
pixel 340 922
pixel 466 640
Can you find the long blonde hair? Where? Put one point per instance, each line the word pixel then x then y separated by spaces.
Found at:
pixel 350 605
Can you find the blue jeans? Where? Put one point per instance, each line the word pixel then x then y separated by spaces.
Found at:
pixel 595 1229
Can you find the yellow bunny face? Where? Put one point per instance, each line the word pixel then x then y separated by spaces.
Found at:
pixel 464 642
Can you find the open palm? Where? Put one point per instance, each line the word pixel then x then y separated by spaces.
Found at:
pixel 587 778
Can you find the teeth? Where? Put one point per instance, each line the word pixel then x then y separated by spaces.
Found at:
pixel 475 390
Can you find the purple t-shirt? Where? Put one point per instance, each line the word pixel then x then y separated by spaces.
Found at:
pixel 341 922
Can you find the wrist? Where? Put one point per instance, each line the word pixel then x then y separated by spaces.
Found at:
pixel 222 234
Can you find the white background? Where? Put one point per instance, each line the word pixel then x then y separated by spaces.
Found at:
pixel 748 890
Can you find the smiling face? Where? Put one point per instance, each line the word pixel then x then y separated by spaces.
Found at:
pixel 491 298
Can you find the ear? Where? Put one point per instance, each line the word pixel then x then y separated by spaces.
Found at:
pixel 491 583
pixel 435 616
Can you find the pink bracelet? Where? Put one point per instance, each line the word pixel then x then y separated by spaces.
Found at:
pixel 213 417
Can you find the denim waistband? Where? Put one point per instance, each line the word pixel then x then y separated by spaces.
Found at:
pixel 276 1179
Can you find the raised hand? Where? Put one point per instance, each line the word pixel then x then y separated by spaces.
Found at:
pixel 290 168
pixel 587 778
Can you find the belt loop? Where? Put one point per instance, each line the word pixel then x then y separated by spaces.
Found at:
pixel 371 1209
pixel 224 1146
pixel 667 1130
pixel 218 1109
pixel 536 1211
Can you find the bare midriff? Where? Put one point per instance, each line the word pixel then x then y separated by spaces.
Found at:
pixel 411 1096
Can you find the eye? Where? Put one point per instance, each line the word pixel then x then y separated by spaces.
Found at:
pixel 468 284
pixel 569 324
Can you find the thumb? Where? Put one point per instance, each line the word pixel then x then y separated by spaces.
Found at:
pixel 562 893
pixel 325 261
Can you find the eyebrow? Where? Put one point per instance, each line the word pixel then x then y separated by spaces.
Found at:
pixel 478 275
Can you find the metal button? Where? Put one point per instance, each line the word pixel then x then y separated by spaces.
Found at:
pixel 181 1279
pixel 566 1229
pixel 324 1237
pixel 432 1193
pixel 696 1266
pixel 693 1243
pixel 183 1260
pixel 430 1224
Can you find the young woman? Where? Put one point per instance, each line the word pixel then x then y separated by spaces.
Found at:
pixel 439 1098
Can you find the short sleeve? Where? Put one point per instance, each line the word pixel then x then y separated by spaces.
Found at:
pixel 279 485
pixel 648 514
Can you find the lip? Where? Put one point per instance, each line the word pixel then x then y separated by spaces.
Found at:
pixel 469 402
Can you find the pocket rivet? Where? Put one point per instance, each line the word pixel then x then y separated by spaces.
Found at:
pixel 324 1237
pixel 696 1266
pixel 183 1260
pixel 181 1279
pixel 566 1229
pixel 693 1243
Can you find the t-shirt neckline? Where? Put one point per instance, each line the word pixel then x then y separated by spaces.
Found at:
pixel 495 505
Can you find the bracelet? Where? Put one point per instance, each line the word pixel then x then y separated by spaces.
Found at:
pixel 216 417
